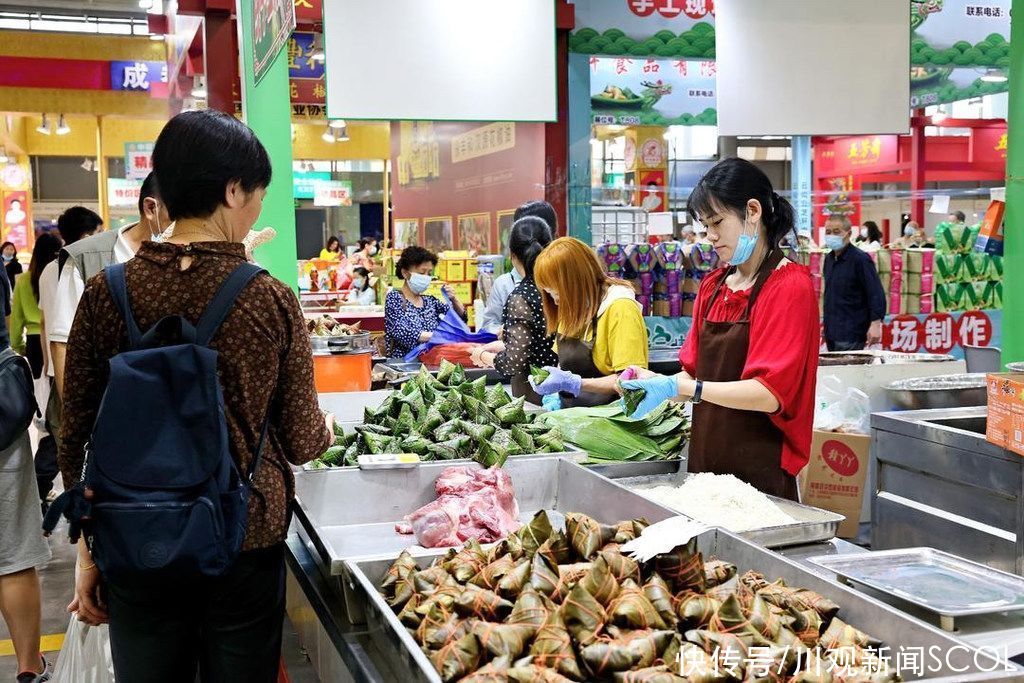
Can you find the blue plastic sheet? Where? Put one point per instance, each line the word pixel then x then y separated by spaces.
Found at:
pixel 450 330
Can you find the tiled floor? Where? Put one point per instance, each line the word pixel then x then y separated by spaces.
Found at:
pixel 57 585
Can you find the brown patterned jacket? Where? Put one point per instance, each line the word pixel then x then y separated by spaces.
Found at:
pixel 264 364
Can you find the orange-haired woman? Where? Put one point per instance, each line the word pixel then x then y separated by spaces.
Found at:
pixel 597 321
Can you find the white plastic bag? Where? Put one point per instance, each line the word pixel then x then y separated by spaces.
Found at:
pixel 85 657
pixel 839 408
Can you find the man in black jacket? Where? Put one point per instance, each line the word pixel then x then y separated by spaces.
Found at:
pixel 854 298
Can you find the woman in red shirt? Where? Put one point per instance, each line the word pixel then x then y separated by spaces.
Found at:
pixel 750 360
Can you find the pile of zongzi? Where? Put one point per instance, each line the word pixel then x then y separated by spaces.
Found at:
pixel 553 605
pixel 445 418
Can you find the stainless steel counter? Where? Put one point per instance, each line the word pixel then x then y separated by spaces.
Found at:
pixel 940 484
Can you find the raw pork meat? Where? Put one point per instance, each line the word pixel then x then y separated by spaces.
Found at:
pixel 471 503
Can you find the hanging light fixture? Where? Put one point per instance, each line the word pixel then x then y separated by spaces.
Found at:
pixel 3 155
pixel 337 123
pixel 328 135
pixel 342 134
pixel 62 127
pixel 199 87
pixel 44 126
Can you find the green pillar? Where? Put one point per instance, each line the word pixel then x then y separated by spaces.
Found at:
pixel 266 108
pixel 1013 284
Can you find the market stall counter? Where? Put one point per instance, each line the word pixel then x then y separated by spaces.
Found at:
pixel 942 485
pixel 329 607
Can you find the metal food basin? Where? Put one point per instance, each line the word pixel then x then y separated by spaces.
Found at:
pixel 813 524
pixel 940 391
pixel 880 620
pixel 349 514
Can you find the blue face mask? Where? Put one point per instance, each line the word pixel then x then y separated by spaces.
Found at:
pixel 835 242
pixel 357 283
pixel 418 282
pixel 744 248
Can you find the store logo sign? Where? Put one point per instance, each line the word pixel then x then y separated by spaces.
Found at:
pixel 840 458
pixel 137 76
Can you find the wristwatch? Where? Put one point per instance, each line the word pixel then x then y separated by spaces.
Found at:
pixel 698 390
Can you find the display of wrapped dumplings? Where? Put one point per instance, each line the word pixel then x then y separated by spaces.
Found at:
pixel 548 604
pixel 446 417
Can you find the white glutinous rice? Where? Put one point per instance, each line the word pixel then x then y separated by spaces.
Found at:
pixel 720 500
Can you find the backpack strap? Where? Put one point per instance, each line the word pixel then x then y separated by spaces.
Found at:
pixel 223 301
pixel 118 287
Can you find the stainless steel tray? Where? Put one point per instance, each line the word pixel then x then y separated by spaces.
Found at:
pixel 936 581
pixel 348 513
pixel 814 524
pixel 958 661
pixel 575 456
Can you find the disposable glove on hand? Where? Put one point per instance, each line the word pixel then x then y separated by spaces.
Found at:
pixel 659 389
pixel 559 380
pixel 551 402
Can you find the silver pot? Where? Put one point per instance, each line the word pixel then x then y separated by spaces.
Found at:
pixel 350 343
pixel 1015 367
pixel 942 391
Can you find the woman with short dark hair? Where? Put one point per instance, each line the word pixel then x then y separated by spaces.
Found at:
pixel 410 316
pixel 213 173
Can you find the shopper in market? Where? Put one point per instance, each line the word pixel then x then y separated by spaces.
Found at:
pixel 525 341
pixel 957 217
pixel 751 357
pixel 410 316
pixel 25 316
pixel 363 256
pixel 597 321
pixel 213 174
pixel 332 251
pixel 854 298
pixel 22 546
pixel 12 266
pixel 494 312
pixel 361 292
pixel 870 237
pixel 74 224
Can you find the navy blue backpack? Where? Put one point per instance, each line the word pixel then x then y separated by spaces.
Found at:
pixel 161 496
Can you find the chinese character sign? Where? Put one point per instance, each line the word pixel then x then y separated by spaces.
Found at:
pixel 306 75
pixel 332 193
pixel 942 333
pixel 123 192
pixel 138 159
pixel 652 91
pixel 137 76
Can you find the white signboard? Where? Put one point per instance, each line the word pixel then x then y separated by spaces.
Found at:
pixel 467 60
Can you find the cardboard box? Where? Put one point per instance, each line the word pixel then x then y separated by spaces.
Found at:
pixel 463 292
pixel 919 260
pixel 896 261
pixel 920 283
pixel 883 261
pixel 472 270
pixel 912 304
pixel 452 270
pixel 836 475
pixel 1005 422
pixel 927 304
pixel 990 234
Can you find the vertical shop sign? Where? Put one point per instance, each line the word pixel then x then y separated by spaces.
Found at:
pixel 306 75
pixel 332 193
pixel 16 219
pixel 138 159
pixel 272 22
pixel 802 182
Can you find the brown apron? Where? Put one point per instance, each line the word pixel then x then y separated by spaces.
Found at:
pixel 743 443
pixel 576 355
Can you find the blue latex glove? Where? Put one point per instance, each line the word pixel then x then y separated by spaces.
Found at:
pixel 551 402
pixel 560 380
pixel 659 389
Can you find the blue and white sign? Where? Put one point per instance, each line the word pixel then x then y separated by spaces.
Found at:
pixel 137 76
